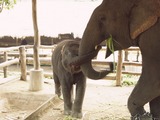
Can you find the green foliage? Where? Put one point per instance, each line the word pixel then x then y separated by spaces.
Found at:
pixel 7 4
pixel 127 83
pixel 109 44
pixel 68 118
pixel 129 79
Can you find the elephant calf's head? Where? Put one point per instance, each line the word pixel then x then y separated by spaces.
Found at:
pixel 71 61
pixel 69 52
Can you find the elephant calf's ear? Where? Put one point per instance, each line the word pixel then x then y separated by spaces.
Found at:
pixel 144 14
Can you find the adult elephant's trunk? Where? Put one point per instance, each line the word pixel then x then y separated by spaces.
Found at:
pixel 87 45
pixel 91 73
pixel 79 60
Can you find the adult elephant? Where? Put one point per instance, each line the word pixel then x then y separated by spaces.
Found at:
pixel 66 74
pixel 130 23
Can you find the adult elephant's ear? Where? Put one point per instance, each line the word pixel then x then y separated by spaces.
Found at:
pixel 144 14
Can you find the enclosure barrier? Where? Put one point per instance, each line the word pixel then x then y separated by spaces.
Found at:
pixel 4 61
pixel 123 63
pixel 24 55
pixel 17 55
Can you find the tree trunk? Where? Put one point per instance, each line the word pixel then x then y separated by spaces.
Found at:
pixel 36 74
pixel 36 36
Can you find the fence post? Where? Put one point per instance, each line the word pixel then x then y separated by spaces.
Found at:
pixel 5 68
pixel 119 69
pixel 23 63
pixel 126 55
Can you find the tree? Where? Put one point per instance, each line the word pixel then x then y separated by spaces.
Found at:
pixel 7 4
pixel 36 74
pixel 36 35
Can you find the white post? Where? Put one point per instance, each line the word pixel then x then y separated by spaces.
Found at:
pixel 36 80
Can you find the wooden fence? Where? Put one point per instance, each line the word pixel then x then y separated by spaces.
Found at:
pixel 19 55
pixel 4 60
pixel 24 55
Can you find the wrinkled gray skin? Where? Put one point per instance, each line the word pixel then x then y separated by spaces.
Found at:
pixel 131 23
pixel 66 75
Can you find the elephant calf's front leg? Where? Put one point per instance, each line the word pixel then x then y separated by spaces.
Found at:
pixel 67 100
pixel 80 91
pixel 57 85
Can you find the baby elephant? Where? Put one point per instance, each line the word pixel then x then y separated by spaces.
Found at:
pixel 66 75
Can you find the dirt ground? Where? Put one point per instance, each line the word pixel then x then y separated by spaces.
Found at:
pixel 103 100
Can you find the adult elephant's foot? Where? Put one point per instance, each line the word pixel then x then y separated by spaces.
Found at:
pixel 76 114
pixel 145 116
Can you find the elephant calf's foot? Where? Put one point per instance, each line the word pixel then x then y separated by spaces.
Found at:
pixel 76 114
pixel 145 116
pixel 156 118
pixel 67 112
pixel 58 94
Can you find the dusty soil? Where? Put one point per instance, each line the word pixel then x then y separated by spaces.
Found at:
pixel 103 100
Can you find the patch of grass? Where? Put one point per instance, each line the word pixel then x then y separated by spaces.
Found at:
pixel 128 80
pixel 69 118
pixel 49 77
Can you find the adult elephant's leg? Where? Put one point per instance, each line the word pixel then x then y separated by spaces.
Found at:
pixel 66 91
pixel 57 85
pixel 135 102
pixel 155 107
pixel 144 91
pixel 80 92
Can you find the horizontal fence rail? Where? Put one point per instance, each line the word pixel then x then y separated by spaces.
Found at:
pixel 24 55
